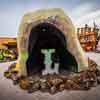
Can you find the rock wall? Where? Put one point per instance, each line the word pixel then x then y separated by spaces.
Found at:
pixel 57 18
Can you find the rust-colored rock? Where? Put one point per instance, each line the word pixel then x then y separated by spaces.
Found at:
pixel 70 84
pixel 61 87
pixel 55 81
pixel 24 83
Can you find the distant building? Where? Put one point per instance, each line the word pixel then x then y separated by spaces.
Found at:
pixel 88 37
pixel 8 43
pixel 8 49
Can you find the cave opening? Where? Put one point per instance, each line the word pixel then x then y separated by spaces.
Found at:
pixel 47 36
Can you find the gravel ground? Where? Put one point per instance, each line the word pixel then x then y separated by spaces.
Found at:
pixel 10 92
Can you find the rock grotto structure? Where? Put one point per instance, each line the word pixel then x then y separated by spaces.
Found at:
pixel 48 28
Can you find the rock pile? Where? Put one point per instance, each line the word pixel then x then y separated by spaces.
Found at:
pixel 56 83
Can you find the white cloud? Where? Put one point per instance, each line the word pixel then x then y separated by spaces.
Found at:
pixel 85 13
pixel 80 10
pixel 89 18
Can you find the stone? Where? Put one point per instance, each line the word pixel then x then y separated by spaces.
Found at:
pixel 53 90
pixel 24 83
pixel 7 74
pixel 84 75
pixel 71 85
pixel 15 77
pixel 12 66
pixel 68 84
pixel 98 79
pixel 31 80
pixel 92 65
pixel 77 79
pixel 86 85
pixel 36 86
pixel 55 81
pixel 31 83
pixel 95 83
pixel 30 89
pixel 97 72
pixel 61 87
pixel 44 87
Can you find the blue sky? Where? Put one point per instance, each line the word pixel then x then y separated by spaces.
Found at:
pixel 80 11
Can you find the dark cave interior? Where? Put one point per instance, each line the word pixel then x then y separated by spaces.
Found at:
pixel 47 36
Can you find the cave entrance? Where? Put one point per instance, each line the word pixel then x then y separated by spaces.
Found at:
pixel 47 36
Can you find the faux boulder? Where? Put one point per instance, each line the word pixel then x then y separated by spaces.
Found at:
pixel 53 18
